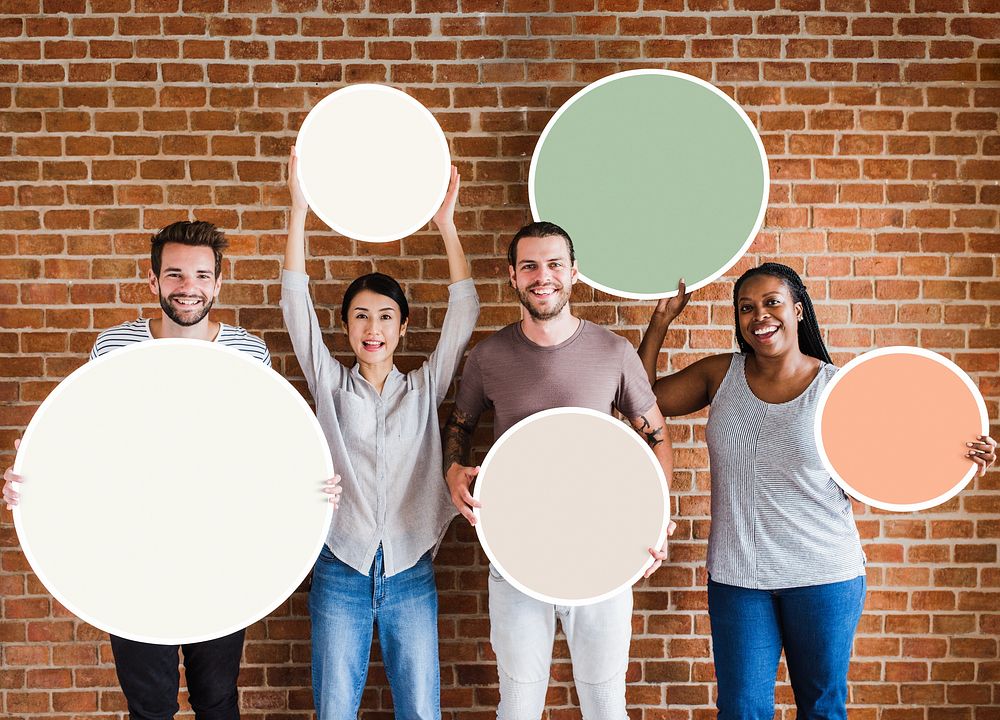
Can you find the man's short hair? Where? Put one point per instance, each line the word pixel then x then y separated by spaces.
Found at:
pixel 538 229
pixel 197 233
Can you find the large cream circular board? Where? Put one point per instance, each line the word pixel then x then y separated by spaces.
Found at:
pixel 373 162
pixel 572 500
pixel 173 491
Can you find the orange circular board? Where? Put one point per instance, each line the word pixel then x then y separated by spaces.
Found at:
pixel 892 427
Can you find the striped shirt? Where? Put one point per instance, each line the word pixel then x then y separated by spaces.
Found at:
pixel 778 518
pixel 138 331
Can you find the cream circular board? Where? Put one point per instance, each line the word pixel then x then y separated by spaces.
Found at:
pixel 373 162
pixel 173 491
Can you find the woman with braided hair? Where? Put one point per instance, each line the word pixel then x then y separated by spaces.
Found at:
pixel 785 565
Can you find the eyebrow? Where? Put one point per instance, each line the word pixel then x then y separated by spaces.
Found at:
pixel 358 307
pixel 767 294
pixel 210 271
pixel 528 260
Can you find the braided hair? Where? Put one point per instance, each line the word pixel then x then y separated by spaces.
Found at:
pixel 810 338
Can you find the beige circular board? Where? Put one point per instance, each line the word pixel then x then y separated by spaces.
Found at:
pixel 173 491
pixel 572 500
pixel 373 162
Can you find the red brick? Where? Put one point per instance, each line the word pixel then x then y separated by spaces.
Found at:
pixel 882 193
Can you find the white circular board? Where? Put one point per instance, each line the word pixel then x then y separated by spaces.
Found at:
pixel 173 491
pixel 572 501
pixel 373 162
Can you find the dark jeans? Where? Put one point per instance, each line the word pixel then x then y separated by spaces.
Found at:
pixel 150 677
pixel 815 626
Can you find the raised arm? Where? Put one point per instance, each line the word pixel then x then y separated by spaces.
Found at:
pixel 667 310
pixel 444 220
pixel 463 303
pixel 692 388
pixel 296 304
pixel 295 247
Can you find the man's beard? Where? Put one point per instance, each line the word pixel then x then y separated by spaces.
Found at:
pixel 170 312
pixel 525 297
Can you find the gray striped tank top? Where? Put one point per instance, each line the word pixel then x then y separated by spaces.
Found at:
pixel 778 518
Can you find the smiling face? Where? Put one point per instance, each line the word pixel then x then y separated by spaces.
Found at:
pixel 768 315
pixel 374 327
pixel 187 285
pixel 543 275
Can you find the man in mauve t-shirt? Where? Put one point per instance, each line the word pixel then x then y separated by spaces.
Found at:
pixel 551 358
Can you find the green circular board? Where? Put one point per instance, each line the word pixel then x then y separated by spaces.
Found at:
pixel 656 175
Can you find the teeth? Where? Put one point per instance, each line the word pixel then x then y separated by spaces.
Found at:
pixel 764 331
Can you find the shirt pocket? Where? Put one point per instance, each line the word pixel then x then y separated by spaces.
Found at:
pixel 357 421
pixel 407 421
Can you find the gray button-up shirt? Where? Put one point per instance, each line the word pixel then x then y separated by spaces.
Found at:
pixel 386 448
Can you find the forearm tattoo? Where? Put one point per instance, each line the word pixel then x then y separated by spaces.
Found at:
pixel 458 438
pixel 654 436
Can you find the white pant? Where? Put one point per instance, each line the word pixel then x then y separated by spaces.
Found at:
pixel 522 631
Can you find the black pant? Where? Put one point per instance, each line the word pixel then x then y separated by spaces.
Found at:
pixel 150 677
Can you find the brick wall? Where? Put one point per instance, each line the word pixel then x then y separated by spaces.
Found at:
pixel 880 118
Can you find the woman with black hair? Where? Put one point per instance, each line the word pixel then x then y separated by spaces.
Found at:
pixel 786 569
pixel 383 432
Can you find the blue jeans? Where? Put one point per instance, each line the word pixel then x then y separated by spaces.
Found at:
pixel 815 626
pixel 344 605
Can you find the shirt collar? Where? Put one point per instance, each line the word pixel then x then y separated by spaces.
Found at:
pixel 391 380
